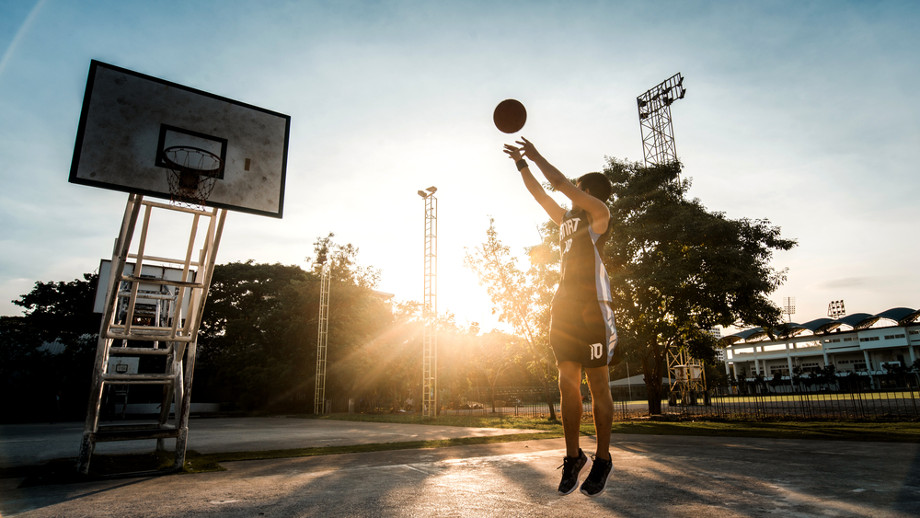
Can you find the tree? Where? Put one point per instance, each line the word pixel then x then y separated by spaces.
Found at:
pixel 342 261
pixel 677 270
pixel 523 300
pixel 259 333
pixel 491 357
pixel 255 335
pixel 48 352
pixel 469 359
pixel 62 311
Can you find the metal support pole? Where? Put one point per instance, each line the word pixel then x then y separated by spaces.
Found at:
pixel 319 398
pixel 430 306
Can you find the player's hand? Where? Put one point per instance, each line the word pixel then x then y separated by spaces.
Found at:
pixel 513 152
pixel 528 149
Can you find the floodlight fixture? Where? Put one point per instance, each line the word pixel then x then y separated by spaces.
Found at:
pixel 432 189
pixel 655 119
pixel 836 309
pixel 662 94
pixel 789 307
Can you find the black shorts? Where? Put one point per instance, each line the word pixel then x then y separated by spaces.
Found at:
pixel 582 332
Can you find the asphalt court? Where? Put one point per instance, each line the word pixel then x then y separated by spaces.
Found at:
pixel 30 444
pixel 653 476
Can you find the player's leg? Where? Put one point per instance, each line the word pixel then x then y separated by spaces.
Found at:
pixel 575 459
pixel 599 319
pixel 602 405
pixel 598 375
pixel 570 391
pixel 599 383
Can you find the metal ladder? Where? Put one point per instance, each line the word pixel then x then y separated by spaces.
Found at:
pixel 170 331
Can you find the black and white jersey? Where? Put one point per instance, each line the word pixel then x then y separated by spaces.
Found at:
pixel 584 276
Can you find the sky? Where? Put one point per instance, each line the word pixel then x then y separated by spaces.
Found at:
pixel 802 113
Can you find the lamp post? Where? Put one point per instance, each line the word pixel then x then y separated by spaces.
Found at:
pixel 430 306
pixel 658 147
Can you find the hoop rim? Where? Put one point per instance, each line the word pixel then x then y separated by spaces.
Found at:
pixel 185 169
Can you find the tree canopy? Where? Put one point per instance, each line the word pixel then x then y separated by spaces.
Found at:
pixel 46 355
pixel 522 298
pixel 259 332
pixel 678 270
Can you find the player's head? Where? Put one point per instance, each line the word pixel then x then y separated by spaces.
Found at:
pixel 595 184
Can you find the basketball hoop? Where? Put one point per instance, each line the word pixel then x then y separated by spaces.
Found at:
pixel 193 173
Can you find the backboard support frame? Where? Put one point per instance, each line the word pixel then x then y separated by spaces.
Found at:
pixel 175 336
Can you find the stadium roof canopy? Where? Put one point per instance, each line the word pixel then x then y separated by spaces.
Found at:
pixel 892 317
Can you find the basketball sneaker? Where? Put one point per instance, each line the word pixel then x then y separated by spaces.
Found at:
pixel 597 477
pixel 571 467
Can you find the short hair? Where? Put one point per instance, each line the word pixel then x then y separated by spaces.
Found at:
pixel 598 185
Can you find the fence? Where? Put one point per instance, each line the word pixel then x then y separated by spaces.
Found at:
pixel 896 405
pixel 901 404
pixel 724 403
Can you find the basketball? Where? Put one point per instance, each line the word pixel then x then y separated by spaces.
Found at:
pixel 509 116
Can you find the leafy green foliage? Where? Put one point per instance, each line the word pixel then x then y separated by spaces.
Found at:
pixel 46 355
pixel 522 299
pixel 254 335
pixel 259 336
pixel 62 311
pixel 677 270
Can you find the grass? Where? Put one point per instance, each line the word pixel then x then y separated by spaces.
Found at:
pixel 106 466
pixel 824 430
pixel 472 421
pixel 882 431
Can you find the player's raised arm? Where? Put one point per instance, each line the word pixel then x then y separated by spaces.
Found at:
pixel 597 210
pixel 552 208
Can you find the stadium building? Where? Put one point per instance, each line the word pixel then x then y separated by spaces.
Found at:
pixel 863 344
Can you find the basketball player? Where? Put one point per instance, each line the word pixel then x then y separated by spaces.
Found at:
pixel 582 333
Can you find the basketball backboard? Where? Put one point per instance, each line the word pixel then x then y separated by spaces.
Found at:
pixel 153 300
pixel 129 120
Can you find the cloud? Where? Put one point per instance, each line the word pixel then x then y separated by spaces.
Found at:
pixel 14 43
pixel 848 282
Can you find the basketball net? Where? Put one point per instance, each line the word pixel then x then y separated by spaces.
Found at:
pixel 192 174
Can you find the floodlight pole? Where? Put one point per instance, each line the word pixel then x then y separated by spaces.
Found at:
pixel 655 120
pixel 789 307
pixel 685 373
pixel 430 306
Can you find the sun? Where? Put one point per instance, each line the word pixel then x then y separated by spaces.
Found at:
pixel 460 294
